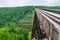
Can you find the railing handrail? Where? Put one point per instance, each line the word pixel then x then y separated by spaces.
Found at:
pixel 51 9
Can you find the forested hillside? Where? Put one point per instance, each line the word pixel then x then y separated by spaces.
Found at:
pixel 16 23
pixel 49 7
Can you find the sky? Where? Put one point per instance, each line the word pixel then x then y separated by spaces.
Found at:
pixel 12 3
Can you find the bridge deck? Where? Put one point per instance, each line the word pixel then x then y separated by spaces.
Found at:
pixel 48 21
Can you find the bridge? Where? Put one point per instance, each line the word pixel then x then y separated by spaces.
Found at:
pixel 46 25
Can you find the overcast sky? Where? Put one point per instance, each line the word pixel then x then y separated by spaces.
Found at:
pixel 12 3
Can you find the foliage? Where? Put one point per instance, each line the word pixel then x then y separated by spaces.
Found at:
pixel 15 23
pixel 19 33
pixel 49 7
pixel 14 15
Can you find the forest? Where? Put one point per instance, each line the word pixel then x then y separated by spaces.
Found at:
pixel 16 22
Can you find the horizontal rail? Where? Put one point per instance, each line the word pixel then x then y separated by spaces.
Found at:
pixel 53 15
pixel 52 10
